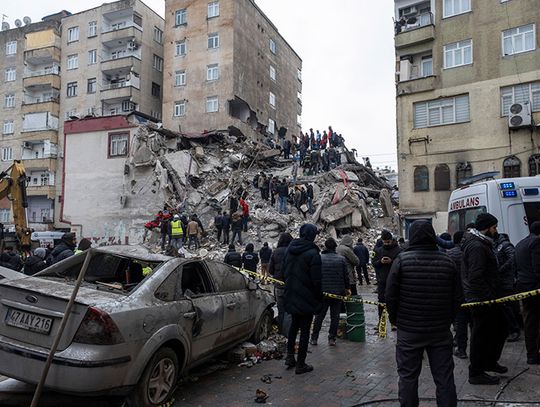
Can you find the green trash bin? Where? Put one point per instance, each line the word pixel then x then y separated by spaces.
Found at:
pixel 356 324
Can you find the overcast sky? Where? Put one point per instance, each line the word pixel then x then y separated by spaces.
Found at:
pixel 348 58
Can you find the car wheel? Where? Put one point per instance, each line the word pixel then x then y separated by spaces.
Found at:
pixel 264 327
pixel 158 382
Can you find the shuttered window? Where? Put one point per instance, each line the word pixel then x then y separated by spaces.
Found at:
pixel 529 92
pixel 421 179
pixel 442 177
pixel 442 111
pixel 511 167
pixel 534 165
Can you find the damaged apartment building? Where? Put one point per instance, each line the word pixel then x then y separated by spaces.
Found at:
pixel 227 67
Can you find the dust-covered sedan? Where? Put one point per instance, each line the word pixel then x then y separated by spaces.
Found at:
pixel 140 320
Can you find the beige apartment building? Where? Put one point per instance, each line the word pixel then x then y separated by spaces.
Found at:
pixel 468 97
pixel 225 65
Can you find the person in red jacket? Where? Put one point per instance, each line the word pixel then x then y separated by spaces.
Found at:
pixel 245 213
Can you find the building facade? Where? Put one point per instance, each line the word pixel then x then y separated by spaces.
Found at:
pixel 460 67
pixel 226 64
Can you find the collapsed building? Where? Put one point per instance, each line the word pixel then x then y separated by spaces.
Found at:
pixel 120 171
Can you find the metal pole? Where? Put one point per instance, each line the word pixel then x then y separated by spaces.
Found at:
pixel 65 318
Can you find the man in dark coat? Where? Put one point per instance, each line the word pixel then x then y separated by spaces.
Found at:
pixel 423 294
pixel 481 282
pixel 303 294
pixel 362 253
pixel 264 254
pixel 250 259
pixel 65 249
pixel 34 264
pixel 233 257
pixel 335 280
pixel 11 259
pixel 385 254
pixel 226 219
pixel 528 279
pixel 218 223
pixel 275 269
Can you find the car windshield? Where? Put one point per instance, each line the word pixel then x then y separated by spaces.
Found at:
pixel 106 270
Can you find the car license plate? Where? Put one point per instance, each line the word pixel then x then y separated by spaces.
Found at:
pixel 29 321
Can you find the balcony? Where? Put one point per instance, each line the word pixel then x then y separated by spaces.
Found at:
pixel 39 122
pixel 111 91
pixel 51 135
pixel 44 163
pixel 42 56
pixel 416 85
pixel 52 106
pixel 421 31
pixel 128 61
pixel 115 37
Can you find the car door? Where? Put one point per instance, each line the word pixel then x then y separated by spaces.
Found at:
pixel 232 287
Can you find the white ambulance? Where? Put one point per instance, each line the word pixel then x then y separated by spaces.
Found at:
pixel 515 202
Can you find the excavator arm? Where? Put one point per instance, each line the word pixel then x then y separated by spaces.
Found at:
pixel 13 186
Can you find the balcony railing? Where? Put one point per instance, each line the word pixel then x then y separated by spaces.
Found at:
pixel 413 23
pixel 120 55
pixel 119 85
pixel 55 70
pixel 41 99
pixel 119 26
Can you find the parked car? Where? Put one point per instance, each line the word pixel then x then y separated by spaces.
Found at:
pixel 140 321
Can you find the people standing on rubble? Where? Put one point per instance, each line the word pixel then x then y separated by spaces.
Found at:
pixel 330 136
pixel 324 140
pixel 176 233
pixel 312 139
pixel 318 138
pixel 226 225
pixel 423 294
pixel 528 279
pixel 309 196
pixel 297 196
pixel 260 183
pixel 35 263
pixel 334 280
pixel 199 222
pixel 193 232
pixel 294 172
pixel 286 148
pixel 481 282
pixel 236 225
pixel 303 293
pixel 64 249
pixel 283 193
pixel 264 254
pixel 384 256
pixel 233 258
pixel 265 191
pixel 362 253
pixel 218 224
pixel 250 259
pixel 184 219
pixel 275 269
pixel 345 249
pixel 245 212
pixel 274 182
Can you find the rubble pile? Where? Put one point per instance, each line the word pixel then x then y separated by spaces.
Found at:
pixel 198 174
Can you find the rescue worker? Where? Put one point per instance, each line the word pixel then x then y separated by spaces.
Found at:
pixel 176 233
pixel 250 259
pixel 233 257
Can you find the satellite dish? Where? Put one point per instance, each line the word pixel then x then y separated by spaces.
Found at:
pixel 27 20
pixel 18 23
pixel 5 26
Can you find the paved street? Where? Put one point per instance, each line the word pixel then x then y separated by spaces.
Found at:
pixel 349 374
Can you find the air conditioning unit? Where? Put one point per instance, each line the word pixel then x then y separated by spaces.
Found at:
pixel 520 115
pixel 27 144
pixel 132 46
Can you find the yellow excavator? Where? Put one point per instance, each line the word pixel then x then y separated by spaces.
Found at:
pixel 13 186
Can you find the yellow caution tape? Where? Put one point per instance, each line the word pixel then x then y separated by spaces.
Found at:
pixel 382 320
pixel 509 298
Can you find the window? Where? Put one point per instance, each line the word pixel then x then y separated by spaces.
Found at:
pixel 118 145
pixel 272 73
pixel 8 127
pixel 92 57
pixel 180 108
pixel 118 26
pixel 180 48
pixel 137 19
pixel 181 17
pixel 118 54
pixel 128 106
pixel 299 74
pixel 272 100
pixel 454 7
pixel 213 41
pixel 11 47
pixel 534 165
pixel 511 167
pixel 529 92
pixel 158 35
pixel 91 86
pixel 227 278
pixel 518 40
pixel 7 154
pixel 180 78
pixel 463 171
pixel 213 9
pixel 71 89
pixel 442 177
pixel 157 63
pixel 271 126
pixel 458 54
pixel 426 66
pixel 212 104
pixel 272 46
pixel 9 100
pixel 73 34
pixel 4 215
pixel 212 72
pixel 10 74
pixel 421 179
pixel 441 111
pixel 156 90
pixel 72 61
pixel 92 29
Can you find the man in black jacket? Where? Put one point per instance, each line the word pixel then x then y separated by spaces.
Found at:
pixel 362 253
pixel 34 264
pixel 275 269
pixel 264 254
pixel 481 282
pixel 233 257
pixel 528 279
pixel 423 294
pixel 303 294
pixel 250 259
pixel 335 280
pixel 65 249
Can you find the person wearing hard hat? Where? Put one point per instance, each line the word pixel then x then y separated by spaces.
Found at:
pixel 177 233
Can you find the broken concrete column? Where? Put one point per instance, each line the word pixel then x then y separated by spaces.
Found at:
pixel 366 217
pixel 386 203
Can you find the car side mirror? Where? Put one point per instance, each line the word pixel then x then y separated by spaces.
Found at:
pixel 252 285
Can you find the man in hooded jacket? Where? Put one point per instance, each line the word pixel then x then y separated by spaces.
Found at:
pixel 303 293
pixel 34 264
pixel 481 282
pixel 345 249
pixel 65 249
pixel 423 294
